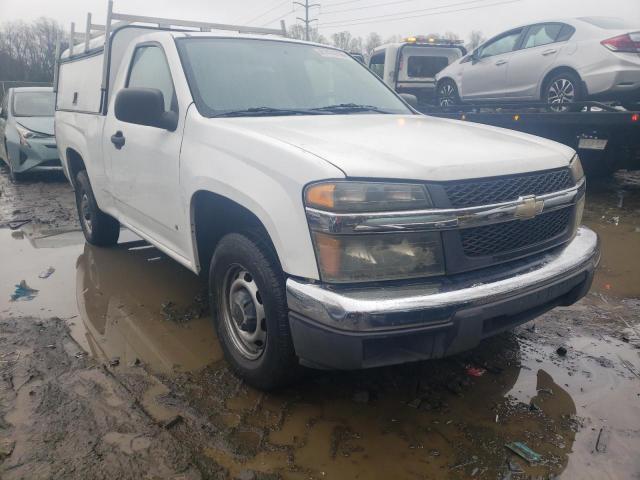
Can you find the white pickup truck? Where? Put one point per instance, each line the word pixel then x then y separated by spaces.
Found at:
pixel 338 227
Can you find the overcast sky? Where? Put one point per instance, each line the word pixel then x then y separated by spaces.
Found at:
pixel 387 17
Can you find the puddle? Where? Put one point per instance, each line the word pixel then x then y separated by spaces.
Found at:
pixel 112 299
pixel 580 412
pixel 613 211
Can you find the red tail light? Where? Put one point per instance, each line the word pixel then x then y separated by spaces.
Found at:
pixel 629 42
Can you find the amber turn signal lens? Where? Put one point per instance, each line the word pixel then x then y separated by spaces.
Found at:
pixel 329 253
pixel 321 196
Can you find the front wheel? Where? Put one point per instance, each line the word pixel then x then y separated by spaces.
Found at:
pixel 249 306
pixel 448 95
pixel 99 228
pixel 15 176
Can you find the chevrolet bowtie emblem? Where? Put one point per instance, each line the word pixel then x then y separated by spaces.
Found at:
pixel 529 207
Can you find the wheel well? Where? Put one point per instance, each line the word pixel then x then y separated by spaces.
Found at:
pixel 213 216
pixel 555 71
pixel 75 164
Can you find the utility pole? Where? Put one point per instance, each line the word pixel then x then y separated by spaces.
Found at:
pixel 306 20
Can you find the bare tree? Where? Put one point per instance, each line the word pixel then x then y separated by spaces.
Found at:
pixel 297 31
pixel 346 41
pixel 27 51
pixel 451 36
pixel 475 40
pixel 373 41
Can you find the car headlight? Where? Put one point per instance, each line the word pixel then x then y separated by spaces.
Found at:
pixel 370 257
pixel 354 197
pixel 576 168
pixel 25 134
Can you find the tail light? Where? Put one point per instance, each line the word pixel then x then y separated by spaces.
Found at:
pixel 629 43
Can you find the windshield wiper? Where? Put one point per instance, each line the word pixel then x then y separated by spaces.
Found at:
pixel 350 108
pixel 266 112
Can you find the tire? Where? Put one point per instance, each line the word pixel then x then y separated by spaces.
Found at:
pixel 561 90
pixel 15 176
pixel 250 314
pixel 448 95
pixel 99 228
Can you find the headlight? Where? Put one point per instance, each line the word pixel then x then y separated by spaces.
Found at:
pixel 26 134
pixel 576 168
pixel 355 197
pixel 385 256
pixel 371 257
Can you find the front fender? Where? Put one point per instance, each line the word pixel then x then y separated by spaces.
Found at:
pixel 263 175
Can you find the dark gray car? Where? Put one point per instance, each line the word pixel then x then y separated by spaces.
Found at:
pixel 27 141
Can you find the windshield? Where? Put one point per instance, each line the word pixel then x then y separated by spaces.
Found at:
pixel 259 77
pixel 610 23
pixel 33 104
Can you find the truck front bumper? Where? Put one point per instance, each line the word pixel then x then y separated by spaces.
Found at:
pixel 362 327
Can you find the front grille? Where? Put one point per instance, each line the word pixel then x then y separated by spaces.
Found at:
pixel 488 191
pixel 505 237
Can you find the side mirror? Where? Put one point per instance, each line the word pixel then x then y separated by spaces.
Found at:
pixel 410 99
pixel 144 106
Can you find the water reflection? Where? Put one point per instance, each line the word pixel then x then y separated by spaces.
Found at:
pixel 120 293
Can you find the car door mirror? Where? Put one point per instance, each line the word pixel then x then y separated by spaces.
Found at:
pixel 144 106
pixel 412 100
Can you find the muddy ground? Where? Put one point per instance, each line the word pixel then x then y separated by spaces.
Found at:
pixel 111 370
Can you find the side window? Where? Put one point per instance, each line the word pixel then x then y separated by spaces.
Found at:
pixel 542 34
pixel 566 33
pixel 505 44
pixel 149 69
pixel 377 64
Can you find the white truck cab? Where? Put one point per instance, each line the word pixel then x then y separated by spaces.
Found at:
pixel 338 227
pixel 411 66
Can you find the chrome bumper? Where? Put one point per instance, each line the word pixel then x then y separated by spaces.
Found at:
pixel 412 305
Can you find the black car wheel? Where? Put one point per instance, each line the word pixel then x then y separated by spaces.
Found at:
pixel 562 90
pixel 99 228
pixel 448 94
pixel 249 306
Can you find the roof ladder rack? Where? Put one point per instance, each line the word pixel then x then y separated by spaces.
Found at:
pixel 116 20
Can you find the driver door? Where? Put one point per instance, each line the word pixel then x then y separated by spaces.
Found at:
pixel 144 161
pixel 485 76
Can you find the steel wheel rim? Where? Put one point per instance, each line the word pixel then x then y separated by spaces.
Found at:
pixel 85 212
pixel 243 313
pixel 447 93
pixel 561 92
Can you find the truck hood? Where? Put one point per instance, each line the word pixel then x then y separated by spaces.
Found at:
pixel 37 124
pixel 414 147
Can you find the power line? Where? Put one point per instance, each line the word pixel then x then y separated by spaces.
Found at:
pixel 323 12
pixel 279 17
pixel 420 10
pixel 390 18
pixel 306 19
pixel 280 4
pixel 331 4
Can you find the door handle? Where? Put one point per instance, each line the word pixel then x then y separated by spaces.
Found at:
pixel 501 62
pixel 549 52
pixel 118 140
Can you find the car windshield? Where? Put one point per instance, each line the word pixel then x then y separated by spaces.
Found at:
pixel 34 104
pixel 611 23
pixel 247 77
